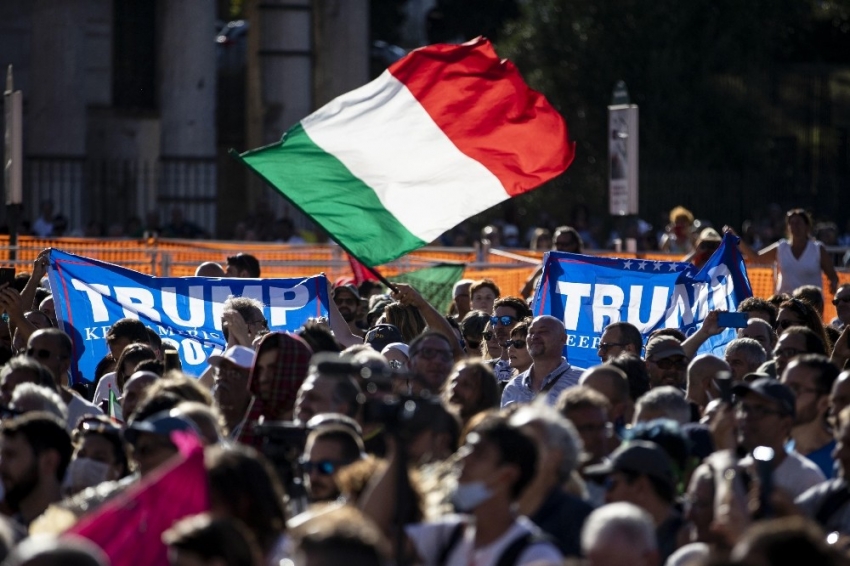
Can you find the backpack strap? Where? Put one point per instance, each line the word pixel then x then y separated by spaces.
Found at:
pixel 511 554
pixel 835 500
pixel 451 543
pixel 548 387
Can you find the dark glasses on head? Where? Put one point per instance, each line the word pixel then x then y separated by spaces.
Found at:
pixel 503 320
pixel 321 467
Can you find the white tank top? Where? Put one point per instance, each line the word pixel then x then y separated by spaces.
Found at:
pixel 793 272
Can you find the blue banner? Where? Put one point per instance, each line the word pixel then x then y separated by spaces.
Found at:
pixel 588 293
pixel 91 295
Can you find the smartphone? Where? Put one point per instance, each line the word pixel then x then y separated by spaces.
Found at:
pixel 172 360
pixel 7 275
pixel 723 379
pixel 732 319
pixel 763 457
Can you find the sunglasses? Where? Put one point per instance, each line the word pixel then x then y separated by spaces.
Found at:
pixel 518 344
pixel 98 426
pixel 487 335
pixel 838 300
pixel 670 363
pixel 431 353
pixel 322 467
pixel 503 320
pixel 783 324
pixel 40 354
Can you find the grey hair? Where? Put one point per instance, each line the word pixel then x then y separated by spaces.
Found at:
pixel 752 350
pixel 667 400
pixel 619 523
pixel 559 433
pixel 31 397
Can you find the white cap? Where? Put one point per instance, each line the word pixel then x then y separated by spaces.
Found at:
pixel 459 285
pixel 398 346
pixel 242 356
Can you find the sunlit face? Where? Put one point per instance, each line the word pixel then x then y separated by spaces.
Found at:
pixel 483 299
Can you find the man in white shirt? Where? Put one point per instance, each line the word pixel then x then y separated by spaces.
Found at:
pixel 765 410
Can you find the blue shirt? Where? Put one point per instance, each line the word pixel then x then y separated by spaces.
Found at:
pixel 518 389
pixel 822 457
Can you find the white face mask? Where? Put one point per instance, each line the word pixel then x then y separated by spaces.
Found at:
pixel 83 473
pixel 470 495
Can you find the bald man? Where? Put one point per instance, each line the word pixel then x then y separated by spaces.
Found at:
pixel 550 373
pixel 701 374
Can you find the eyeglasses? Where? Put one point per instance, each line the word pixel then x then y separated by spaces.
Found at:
pixel 322 467
pixel 487 335
pixel 787 352
pixel 605 346
pixel 503 320
pixel 518 344
pixel 758 412
pixel 837 300
pixel 799 389
pixel 783 324
pixel 231 373
pixel 670 363
pixel 431 353
pixel 606 428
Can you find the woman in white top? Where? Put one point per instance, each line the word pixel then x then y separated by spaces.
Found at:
pixel 799 258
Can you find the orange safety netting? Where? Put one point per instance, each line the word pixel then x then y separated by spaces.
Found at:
pixel 179 258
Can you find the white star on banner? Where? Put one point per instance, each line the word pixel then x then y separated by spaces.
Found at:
pixel 642 265
pixel 672 267
pixel 627 264
pixel 656 266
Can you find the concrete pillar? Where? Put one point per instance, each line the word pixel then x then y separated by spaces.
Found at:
pixel 342 47
pixel 187 96
pixel 280 82
pixel 55 125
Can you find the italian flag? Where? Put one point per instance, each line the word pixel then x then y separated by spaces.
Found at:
pixel 443 134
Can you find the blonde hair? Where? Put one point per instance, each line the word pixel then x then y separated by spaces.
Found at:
pixel 681 212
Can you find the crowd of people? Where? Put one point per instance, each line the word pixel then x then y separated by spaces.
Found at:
pixel 677 232
pixel 392 433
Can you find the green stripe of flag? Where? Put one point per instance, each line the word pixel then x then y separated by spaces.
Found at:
pixel 434 283
pixel 324 189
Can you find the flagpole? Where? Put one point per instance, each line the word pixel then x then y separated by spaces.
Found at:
pixel 380 277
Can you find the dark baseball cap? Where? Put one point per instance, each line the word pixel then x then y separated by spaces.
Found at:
pixel 772 389
pixel 381 335
pixel 347 287
pixel 637 457
pixel 662 347
pixel 162 424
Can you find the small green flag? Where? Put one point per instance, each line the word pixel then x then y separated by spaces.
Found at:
pixel 115 412
pixel 434 283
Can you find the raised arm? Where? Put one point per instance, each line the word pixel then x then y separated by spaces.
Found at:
pixel 407 295
pixel 339 327
pixel 828 269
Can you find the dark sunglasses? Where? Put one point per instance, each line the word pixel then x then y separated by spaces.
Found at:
pixel 503 320
pixel 670 363
pixel 518 344
pixel 40 354
pixel 98 426
pixel 487 335
pixel 322 467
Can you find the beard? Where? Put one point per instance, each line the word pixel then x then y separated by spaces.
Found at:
pixel 16 493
